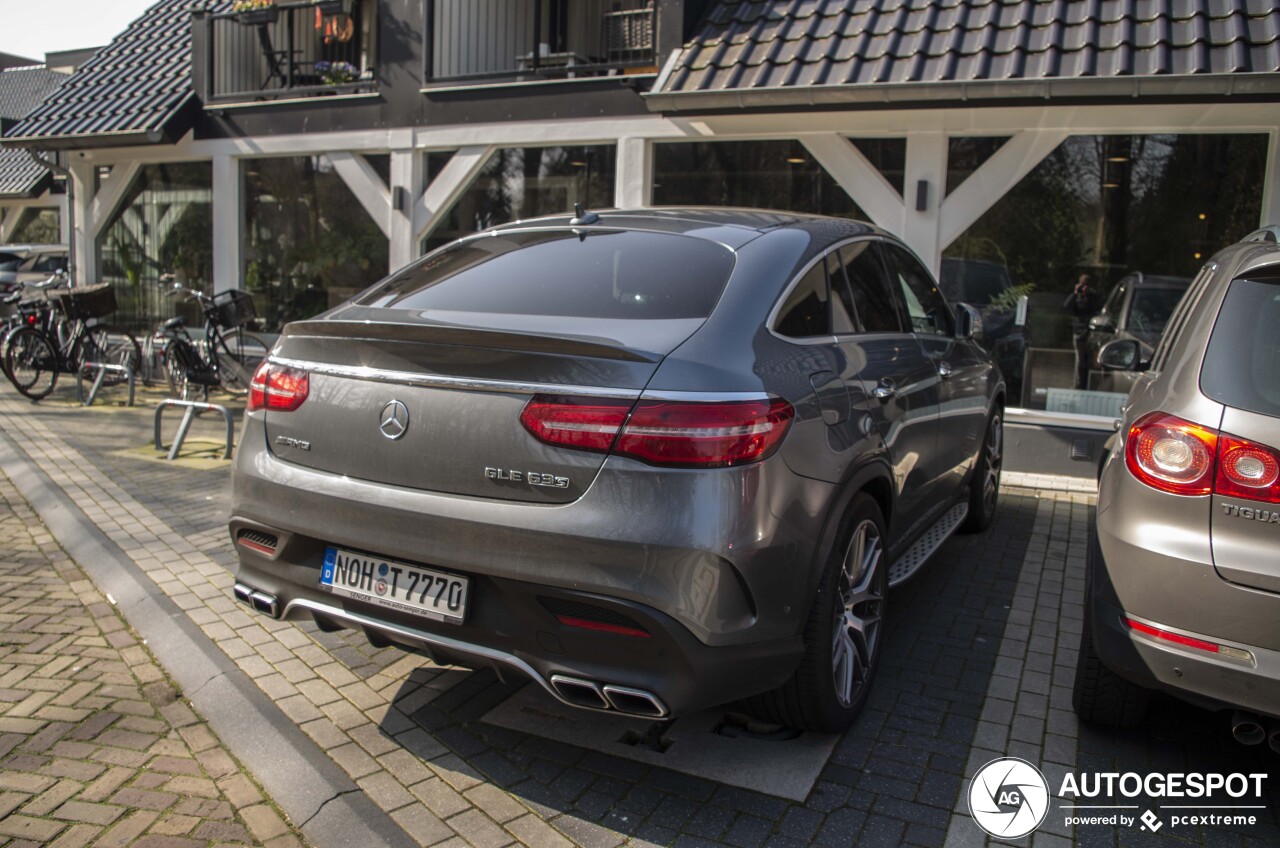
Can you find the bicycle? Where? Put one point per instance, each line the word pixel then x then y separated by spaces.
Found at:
pixel 225 358
pixel 21 311
pixel 62 340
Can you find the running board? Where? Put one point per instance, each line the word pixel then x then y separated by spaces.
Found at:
pixel 910 562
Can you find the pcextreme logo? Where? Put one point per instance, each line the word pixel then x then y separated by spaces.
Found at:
pixel 1010 798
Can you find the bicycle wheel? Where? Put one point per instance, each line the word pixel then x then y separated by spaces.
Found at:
pixel 239 355
pixel 109 347
pixel 178 362
pixel 31 362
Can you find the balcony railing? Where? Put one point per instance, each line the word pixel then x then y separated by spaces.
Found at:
pixel 537 39
pixel 292 50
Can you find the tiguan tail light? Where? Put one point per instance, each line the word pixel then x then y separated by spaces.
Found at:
pixel 1177 456
pixel 1247 470
pixel 1171 454
pixel 277 388
pixel 667 433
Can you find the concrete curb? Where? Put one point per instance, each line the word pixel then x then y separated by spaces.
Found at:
pixel 308 786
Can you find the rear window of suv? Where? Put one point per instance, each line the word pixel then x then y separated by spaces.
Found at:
pixel 600 274
pixel 1242 365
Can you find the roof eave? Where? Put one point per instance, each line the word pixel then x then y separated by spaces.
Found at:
pixel 35 191
pixel 1189 86
pixel 169 131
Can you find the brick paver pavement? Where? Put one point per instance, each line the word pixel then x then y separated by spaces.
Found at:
pixel 96 746
pixel 978 664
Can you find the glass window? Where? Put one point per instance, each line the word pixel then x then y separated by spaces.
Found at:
pixel 805 314
pixel 753 174
pixel 628 275
pixel 37 226
pixel 1109 207
pixel 973 281
pixel 526 182
pixel 164 225
pixel 926 308
pixel 872 298
pixel 966 154
pixel 309 244
pixel 1242 364
pixel 886 155
pixel 843 314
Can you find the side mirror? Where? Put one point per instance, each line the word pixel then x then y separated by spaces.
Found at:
pixel 1122 355
pixel 1102 323
pixel 968 322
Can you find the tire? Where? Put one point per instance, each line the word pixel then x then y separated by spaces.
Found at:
pixel 984 484
pixel 1099 695
pixel 177 366
pixel 239 355
pixel 834 678
pixel 31 363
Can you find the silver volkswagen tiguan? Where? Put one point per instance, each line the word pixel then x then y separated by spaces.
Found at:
pixel 1184 570
pixel 655 461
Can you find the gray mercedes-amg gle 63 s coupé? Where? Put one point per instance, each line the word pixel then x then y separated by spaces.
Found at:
pixel 654 460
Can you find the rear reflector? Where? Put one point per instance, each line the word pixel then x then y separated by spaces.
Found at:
pixel 602 627
pixel 277 388
pixel 1188 642
pixel 263 543
pixel 677 434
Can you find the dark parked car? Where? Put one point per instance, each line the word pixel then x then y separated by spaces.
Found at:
pixel 1183 586
pixel 1138 307
pixel 655 461
pixel 986 285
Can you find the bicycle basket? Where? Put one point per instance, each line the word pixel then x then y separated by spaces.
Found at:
pixel 233 309
pixel 86 303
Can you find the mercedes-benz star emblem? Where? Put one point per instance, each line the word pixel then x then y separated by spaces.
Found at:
pixel 394 420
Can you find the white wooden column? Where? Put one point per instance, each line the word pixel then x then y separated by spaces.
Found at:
pixel 924 188
pixel 634 183
pixel 64 219
pixel 408 174
pixel 862 180
pixel 228 224
pixel 9 216
pixel 86 258
pixel 1271 183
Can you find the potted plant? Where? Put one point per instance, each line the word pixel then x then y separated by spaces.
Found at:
pixel 337 73
pixel 256 12
pixel 333 7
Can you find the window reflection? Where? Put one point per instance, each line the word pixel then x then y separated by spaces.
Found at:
pixel 1143 211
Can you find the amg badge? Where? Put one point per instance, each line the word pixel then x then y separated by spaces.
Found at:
pixel 287 442
pixel 533 478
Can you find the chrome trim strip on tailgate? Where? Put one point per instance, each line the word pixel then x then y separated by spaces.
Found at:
pixel 439 381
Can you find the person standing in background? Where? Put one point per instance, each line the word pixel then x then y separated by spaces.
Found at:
pixel 1083 303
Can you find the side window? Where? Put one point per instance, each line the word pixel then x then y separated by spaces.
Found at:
pixel 805 312
pixel 843 313
pixel 928 311
pixel 872 299
pixel 1179 318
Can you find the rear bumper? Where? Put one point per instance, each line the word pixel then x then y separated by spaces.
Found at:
pixel 719 575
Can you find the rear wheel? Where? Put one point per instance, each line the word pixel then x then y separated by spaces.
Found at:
pixel 109 347
pixel 31 363
pixel 239 355
pixel 180 359
pixel 984 485
pixel 844 633
pixel 1099 695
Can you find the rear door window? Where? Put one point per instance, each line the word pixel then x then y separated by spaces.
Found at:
pixel 1242 364
pixel 561 273
pixel 926 308
pixel 806 312
pixel 873 304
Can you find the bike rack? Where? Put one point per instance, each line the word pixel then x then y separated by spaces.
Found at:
pixel 191 407
pixel 102 368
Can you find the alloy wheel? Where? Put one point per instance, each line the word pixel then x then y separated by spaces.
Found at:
pixel 994 450
pixel 860 599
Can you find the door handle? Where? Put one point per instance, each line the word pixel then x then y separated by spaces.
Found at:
pixel 944 370
pixel 885 390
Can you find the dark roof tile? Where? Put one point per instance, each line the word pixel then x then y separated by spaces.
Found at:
pixel 867 42
pixel 134 86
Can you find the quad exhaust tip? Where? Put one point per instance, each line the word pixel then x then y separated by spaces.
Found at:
pixel 621 699
pixel 1248 730
pixel 260 601
pixel 1273 735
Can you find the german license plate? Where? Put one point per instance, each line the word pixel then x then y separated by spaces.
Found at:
pixel 395 585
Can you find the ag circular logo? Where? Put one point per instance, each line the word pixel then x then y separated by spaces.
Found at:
pixel 1008 798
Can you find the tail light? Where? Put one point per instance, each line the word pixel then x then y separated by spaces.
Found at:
pixel 666 433
pixel 277 388
pixel 1177 456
